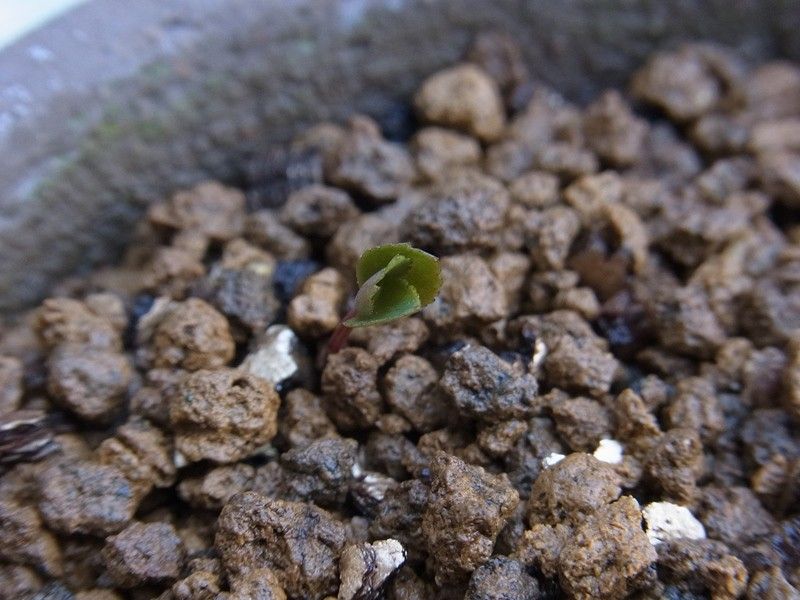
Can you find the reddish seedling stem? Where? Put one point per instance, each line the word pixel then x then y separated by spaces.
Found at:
pixel 340 334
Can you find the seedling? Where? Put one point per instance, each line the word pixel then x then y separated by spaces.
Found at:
pixel 395 281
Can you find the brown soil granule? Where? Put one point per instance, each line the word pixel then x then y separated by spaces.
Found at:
pixel 366 163
pixel 576 486
pixel 190 335
pixel 410 390
pixel 27 542
pixel 463 97
pixel 222 415
pixel 315 311
pixel 439 151
pixel 18 582
pixel 483 386
pixel 209 208
pixel 244 295
pixel 355 236
pixel 67 321
pixel 391 340
pixel 200 585
pixel 321 472
pixel 471 295
pixel 303 419
pixel 581 422
pixel 399 516
pixel 213 489
pixel 734 515
pixel 262 584
pixel 317 210
pixel 675 463
pixel 608 555
pixel 264 229
pixel 349 383
pixel 702 565
pixel 617 327
pixel 463 212
pixel 85 497
pixel 89 382
pixel 172 271
pixel 142 452
pixel 467 508
pixel 299 542
pixel 499 578
pixel 144 553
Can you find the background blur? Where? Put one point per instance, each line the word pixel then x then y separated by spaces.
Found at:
pixel 109 105
pixel 17 17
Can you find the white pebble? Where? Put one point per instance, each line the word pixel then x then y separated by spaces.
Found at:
pixel 552 459
pixel 390 554
pixel 667 521
pixel 277 357
pixel 179 459
pixel 365 568
pixel 609 451
pixel 539 354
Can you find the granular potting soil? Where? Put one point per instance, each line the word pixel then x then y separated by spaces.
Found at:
pixel 602 403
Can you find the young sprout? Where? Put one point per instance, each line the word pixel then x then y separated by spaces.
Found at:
pixel 395 280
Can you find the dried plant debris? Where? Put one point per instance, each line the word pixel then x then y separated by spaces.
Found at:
pixel 27 435
pixel 601 401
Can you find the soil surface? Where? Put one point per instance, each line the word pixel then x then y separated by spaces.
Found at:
pixel 602 403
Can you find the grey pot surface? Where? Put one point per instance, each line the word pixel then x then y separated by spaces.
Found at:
pixel 117 103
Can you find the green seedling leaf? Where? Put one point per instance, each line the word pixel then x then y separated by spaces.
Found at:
pixel 396 280
pixel 424 273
